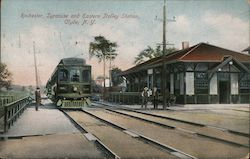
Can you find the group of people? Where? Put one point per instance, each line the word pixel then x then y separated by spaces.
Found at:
pixel 147 93
pixel 154 96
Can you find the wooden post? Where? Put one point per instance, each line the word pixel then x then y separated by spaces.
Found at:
pixel 5 119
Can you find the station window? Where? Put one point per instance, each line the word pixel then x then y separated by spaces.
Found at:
pixel 201 83
pixel 86 75
pixel 75 75
pixel 244 83
pixel 177 83
pixel 63 75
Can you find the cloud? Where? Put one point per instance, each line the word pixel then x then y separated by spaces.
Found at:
pixel 131 35
pixel 181 30
pixel 128 38
pixel 222 29
pixel 18 54
pixel 52 45
pixel 226 30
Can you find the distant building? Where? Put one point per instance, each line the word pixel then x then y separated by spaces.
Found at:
pixel 100 81
pixel 202 73
pixel 247 50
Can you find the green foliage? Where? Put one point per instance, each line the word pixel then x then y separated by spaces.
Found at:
pixel 116 80
pixel 5 76
pixel 150 53
pixel 102 49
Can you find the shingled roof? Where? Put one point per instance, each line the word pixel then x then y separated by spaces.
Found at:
pixel 201 52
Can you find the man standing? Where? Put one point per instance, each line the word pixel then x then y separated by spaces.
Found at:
pixel 144 95
pixel 38 97
pixel 167 98
pixel 155 97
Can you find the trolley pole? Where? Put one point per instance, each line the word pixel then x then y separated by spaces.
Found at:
pixel 36 73
pixel 163 85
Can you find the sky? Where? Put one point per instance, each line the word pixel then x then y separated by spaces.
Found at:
pixel 56 25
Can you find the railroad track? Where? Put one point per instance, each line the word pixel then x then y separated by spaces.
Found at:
pixel 207 132
pixel 107 152
pixel 177 120
pixel 118 142
pixel 115 116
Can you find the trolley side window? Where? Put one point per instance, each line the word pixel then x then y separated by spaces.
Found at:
pixel 63 75
pixel 75 75
pixel 86 75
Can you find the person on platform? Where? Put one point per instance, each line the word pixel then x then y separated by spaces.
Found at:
pixel 38 98
pixel 155 97
pixel 167 98
pixel 144 95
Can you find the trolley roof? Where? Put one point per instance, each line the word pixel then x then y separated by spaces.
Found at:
pixel 73 61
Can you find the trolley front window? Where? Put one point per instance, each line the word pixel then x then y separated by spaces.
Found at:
pixel 63 75
pixel 74 75
pixel 86 75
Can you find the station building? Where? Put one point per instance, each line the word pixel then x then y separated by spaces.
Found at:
pixel 201 74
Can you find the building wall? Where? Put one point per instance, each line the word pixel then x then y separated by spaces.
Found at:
pixel 222 89
pixel 193 83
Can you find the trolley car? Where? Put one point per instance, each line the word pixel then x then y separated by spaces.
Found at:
pixel 70 84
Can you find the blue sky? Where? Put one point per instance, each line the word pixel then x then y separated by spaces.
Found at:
pixel 224 23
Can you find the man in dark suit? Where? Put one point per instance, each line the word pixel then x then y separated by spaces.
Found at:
pixel 38 98
pixel 155 97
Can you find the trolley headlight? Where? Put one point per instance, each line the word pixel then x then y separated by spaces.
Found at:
pixel 75 88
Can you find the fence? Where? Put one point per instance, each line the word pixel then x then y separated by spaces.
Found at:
pixel 6 99
pixel 135 98
pixel 125 97
pixel 13 110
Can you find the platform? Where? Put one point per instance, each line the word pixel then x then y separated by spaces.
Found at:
pixel 50 146
pixel 46 133
pixel 47 120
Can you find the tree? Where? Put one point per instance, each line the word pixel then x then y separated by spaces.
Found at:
pixel 150 53
pixel 116 80
pixel 5 76
pixel 102 49
pixel 95 87
pixel 111 57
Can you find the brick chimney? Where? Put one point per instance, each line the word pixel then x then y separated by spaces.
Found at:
pixel 185 45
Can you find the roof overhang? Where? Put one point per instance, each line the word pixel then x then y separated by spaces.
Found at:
pixel 226 61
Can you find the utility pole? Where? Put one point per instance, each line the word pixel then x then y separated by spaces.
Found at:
pixel 36 73
pixel 1 48
pixel 163 75
pixel 163 85
pixel 110 67
pixel 19 41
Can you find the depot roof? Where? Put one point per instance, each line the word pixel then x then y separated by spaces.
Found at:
pixel 201 52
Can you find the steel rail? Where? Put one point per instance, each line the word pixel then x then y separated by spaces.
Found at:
pixel 180 129
pixel 168 148
pixel 107 151
pixel 193 123
pixel 178 120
